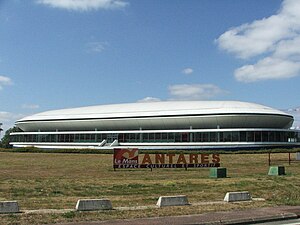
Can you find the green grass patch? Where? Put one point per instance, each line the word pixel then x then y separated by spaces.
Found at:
pixel 100 151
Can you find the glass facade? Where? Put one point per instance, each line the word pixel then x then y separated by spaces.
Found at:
pixel 160 137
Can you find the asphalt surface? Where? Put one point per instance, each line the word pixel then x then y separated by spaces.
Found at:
pixel 284 214
pixel 282 222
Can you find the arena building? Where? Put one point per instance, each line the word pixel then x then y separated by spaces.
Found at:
pixel 160 125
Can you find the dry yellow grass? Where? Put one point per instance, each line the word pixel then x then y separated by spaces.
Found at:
pixel 57 181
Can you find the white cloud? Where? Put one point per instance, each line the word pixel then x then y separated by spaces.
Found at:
pixel 256 38
pixel 30 106
pixel 187 71
pixel 5 81
pixel 149 99
pixel 267 68
pixel 84 5
pixel 288 49
pixel 8 119
pixel 7 116
pixel 194 91
pixel 271 40
pixel 96 47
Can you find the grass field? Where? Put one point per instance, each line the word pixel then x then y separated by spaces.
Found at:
pixel 57 181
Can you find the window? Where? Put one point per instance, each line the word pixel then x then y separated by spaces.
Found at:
pixel 61 138
pixel 277 136
pixel 151 137
pixel 185 137
pixel 171 137
pixel 76 137
pixel 212 137
pixel 235 136
pixel 157 137
pixel 93 138
pixel 82 138
pixel 205 137
pixel 243 137
pixel 67 138
pixel 271 136
pixel 250 136
pixel 132 137
pixel 221 136
pixel 145 137
pixel 257 136
pixel 53 137
pixel 121 137
pixel 177 137
pixel 197 137
pixel 164 137
pixel 265 137
pixel 283 137
pixel 227 137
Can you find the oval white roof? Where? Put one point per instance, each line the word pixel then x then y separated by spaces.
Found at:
pixel 163 108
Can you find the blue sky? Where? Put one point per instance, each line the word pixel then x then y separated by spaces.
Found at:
pixel 69 53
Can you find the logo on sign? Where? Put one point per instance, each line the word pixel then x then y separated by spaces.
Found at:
pixel 126 157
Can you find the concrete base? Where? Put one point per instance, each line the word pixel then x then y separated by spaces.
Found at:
pixel 297 155
pixel 93 204
pixel 237 196
pixel 172 201
pixel 276 170
pixel 9 207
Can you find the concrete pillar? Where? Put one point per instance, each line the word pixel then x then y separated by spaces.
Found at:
pixel 172 201
pixel 9 207
pixel 237 196
pixel 93 204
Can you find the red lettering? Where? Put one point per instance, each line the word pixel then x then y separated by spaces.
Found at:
pixel 215 158
pixel 204 158
pixel 146 159
pixel 194 158
pixel 181 159
pixel 160 158
pixel 170 158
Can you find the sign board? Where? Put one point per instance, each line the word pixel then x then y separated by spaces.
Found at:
pixel 129 159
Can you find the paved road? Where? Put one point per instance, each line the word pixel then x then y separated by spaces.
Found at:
pixel 285 222
pixel 251 216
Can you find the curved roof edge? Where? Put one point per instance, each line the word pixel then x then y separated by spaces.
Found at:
pixel 162 108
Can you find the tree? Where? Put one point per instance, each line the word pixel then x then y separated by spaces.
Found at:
pixel 6 138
